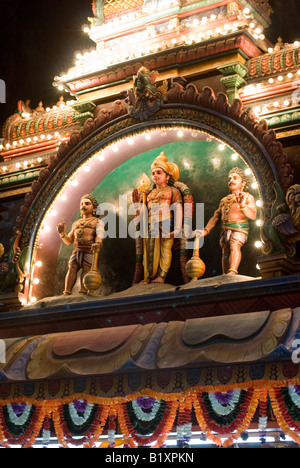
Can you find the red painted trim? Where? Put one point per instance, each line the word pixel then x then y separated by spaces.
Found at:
pixel 165 19
pixel 29 150
pixel 272 91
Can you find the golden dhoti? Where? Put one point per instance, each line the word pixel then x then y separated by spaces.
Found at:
pixel 159 253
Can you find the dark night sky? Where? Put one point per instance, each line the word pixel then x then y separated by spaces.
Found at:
pixel 39 38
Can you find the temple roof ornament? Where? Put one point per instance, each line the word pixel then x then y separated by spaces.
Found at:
pixel 106 10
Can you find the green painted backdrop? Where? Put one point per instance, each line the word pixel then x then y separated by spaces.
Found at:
pixel 204 168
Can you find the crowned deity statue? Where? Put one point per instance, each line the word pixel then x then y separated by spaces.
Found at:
pixel 234 212
pixel 87 234
pixel 164 206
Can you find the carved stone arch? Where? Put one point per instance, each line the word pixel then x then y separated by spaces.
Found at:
pixel 187 108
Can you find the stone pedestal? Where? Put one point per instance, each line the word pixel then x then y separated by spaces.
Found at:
pixel 278 265
pixel 9 302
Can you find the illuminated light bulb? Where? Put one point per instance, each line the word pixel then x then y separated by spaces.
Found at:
pixel 148 137
pixel 222 147
pixel 258 244
pixel 248 171
pixel 87 169
pixel 130 141
pixel 286 103
pixel 15 143
pixel 39 264
pixel 42 137
pixel 290 75
pixel 246 11
pixel 213 17
pixel 7 145
pixel 258 31
pixel 254 185
pixel 258 222
pixel 296 43
pixel 227 26
pixel 280 78
pixel 53 213
pixel 63 198
pixel 101 158
pixel 276 104
pixel 271 80
pixel 39 160
pixel 257 110
pixel 234 156
pixel 33 300
pixel 270 50
pixel 258 203
pixel 204 19
pixel 252 25
pixel 36 281
pixel 180 133
pixel 298 72
pixel 4 169
pixel 18 165
pixel 115 149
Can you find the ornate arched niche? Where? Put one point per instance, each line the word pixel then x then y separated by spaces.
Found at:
pixel 203 134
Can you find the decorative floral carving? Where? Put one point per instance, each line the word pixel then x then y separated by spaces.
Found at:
pixel 146 97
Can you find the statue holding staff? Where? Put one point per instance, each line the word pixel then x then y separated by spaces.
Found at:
pixel 87 234
pixel 165 218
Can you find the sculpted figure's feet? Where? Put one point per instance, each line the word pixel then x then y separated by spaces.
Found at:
pixel 232 272
pixel 158 280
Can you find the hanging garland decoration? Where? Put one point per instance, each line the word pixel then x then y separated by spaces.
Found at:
pixel 184 422
pixel 79 418
pixel 263 415
pixel 147 420
pixel 286 407
pixel 224 413
pixel 20 424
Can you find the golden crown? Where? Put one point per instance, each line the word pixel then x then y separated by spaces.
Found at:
pixel 170 168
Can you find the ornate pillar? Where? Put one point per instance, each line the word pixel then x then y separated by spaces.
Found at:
pixel 233 79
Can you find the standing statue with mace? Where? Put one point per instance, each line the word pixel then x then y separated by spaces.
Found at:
pixel 87 234
pixel 164 218
pixel 235 211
